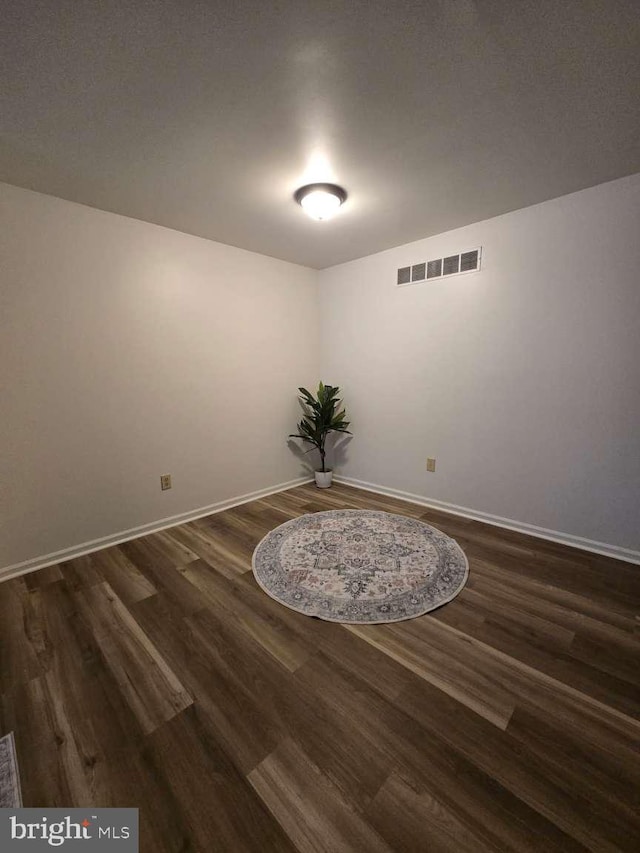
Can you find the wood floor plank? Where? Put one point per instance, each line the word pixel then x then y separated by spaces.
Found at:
pixel 548 645
pixel 455 668
pixel 341 495
pixel 571 793
pixel 72 718
pixel 43 577
pixel 272 633
pixel 308 807
pixel 238 542
pixel 427 823
pixel 287 709
pixel 531 627
pixel 522 683
pixel 617 657
pixel 216 802
pixel 77 682
pixel 251 703
pixel 81 572
pixel 153 690
pixel 606 688
pixel 175 551
pixel 459 615
pixel 212 665
pixel 366 662
pixel 139 777
pixel 157 674
pixel 128 582
pixel 615 776
pixel 280 504
pixel 23 645
pixel 556 697
pixel 489 809
pixel 257 520
pixel 161 572
pixel 572 610
pixel 215 550
pixel 615 591
pixel 291 501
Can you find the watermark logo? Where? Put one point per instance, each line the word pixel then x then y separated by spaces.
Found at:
pixel 38 830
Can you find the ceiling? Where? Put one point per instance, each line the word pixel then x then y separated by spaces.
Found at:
pixel 205 116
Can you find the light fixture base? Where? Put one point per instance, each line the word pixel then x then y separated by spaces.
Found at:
pixel 320 201
pixel 332 189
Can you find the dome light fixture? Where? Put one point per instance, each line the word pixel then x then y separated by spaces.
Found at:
pixel 320 201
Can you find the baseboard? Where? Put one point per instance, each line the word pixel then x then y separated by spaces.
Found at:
pixel 594 547
pixel 45 560
pixel 42 562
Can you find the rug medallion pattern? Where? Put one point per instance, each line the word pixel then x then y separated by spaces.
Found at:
pixel 359 566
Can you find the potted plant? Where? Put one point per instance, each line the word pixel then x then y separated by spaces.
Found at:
pixel 322 415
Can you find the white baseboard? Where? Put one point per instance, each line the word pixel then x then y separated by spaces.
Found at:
pixel 42 562
pixel 607 550
pixel 45 560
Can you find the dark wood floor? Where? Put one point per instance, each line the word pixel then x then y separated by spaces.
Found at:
pixel 157 674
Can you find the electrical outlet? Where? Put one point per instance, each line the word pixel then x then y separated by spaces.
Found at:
pixel 165 481
pixel 431 465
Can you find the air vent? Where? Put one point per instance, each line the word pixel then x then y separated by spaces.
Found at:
pixel 404 275
pixel 418 272
pixel 469 261
pixel 451 265
pixel 464 262
pixel 434 268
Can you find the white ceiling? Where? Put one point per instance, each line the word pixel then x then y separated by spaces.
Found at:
pixel 206 116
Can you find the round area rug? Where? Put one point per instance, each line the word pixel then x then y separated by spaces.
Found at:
pixel 359 566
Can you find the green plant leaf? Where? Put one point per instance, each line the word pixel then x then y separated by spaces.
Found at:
pixel 321 415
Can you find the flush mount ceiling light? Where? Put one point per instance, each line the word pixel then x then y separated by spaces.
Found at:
pixel 320 201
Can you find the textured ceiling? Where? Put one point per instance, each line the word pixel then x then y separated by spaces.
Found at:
pixel 206 116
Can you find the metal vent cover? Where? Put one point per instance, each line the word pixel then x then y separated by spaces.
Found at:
pixel 458 264
pixel 418 272
pixel 404 275
pixel 434 268
pixel 469 261
pixel 451 265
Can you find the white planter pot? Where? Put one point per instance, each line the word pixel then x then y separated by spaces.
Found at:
pixel 323 479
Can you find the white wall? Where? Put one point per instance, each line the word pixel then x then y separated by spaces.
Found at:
pixel 128 351
pixel 522 380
